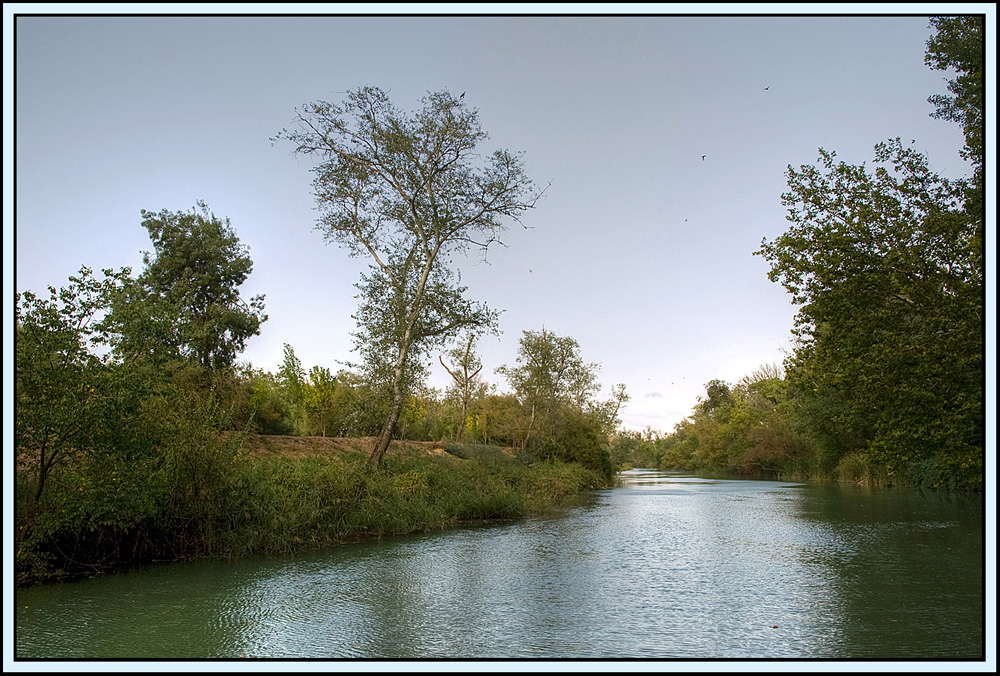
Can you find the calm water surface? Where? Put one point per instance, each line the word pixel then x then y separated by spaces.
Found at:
pixel 665 566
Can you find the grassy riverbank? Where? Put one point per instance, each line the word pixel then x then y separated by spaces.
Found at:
pixel 255 495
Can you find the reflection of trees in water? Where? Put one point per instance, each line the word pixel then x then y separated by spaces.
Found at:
pixel 907 569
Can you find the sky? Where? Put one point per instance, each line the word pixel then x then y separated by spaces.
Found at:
pixel 663 139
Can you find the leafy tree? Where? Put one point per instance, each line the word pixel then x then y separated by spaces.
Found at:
pixel 292 377
pixel 748 428
pixel 607 412
pixel 319 398
pixel 678 449
pixel 381 316
pixel 498 419
pixel 291 374
pixel 61 381
pixel 426 416
pixel 256 400
pixel 573 436
pixel 887 265
pixel 763 417
pixel 464 371
pixel 718 400
pixel 625 449
pixel 88 465
pixel 549 371
pixel 361 407
pixel 409 191
pixel 958 45
pixel 887 268
pixel 186 301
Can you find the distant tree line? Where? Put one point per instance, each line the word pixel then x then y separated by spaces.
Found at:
pixel 551 410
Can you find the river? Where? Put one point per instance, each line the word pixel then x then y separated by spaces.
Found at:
pixel 665 566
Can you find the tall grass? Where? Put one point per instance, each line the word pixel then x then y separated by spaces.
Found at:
pixel 856 468
pixel 267 504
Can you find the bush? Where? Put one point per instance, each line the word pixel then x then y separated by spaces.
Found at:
pixel 575 437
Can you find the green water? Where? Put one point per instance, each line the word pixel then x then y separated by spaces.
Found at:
pixel 665 566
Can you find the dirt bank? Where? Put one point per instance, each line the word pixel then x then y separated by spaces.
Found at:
pixel 302 447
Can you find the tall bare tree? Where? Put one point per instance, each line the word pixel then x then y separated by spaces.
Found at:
pixel 409 191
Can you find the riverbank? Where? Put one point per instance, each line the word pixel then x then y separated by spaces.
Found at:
pixel 250 494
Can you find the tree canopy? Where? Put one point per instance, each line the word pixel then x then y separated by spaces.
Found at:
pixel 958 45
pixel 187 301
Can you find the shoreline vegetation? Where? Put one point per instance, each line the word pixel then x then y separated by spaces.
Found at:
pixel 280 494
pixel 255 494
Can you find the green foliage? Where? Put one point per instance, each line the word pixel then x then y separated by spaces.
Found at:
pixel 186 301
pixel 572 436
pixel 549 374
pixel 64 390
pixel 857 468
pixel 124 394
pixel 156 461
pixel 624 451
pixel 764 417
pixel 271 412
pixel 718 401
pixel 559 417
pixel 291 379
pixel 319 400
pixel 550 371
pixel 388 322
pixel 497 419
pixel 464 371
pixel 958 46
pixel 677 449
pixel 752 428
pixel 887 268
pixel 362 407
pixel 606 413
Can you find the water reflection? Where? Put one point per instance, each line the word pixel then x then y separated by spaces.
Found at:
pixel 665 566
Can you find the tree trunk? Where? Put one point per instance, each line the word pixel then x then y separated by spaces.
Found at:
pixel 531 421
pixel 398 395
pixel 385 436
pixel 461 424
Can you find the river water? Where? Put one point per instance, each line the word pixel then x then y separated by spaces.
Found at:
pixel 664 566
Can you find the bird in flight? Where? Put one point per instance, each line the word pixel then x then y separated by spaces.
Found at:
pixel 462 96
pixel 703 158
pixel 767 87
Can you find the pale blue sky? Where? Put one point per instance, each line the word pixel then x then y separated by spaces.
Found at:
pixel 640 250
